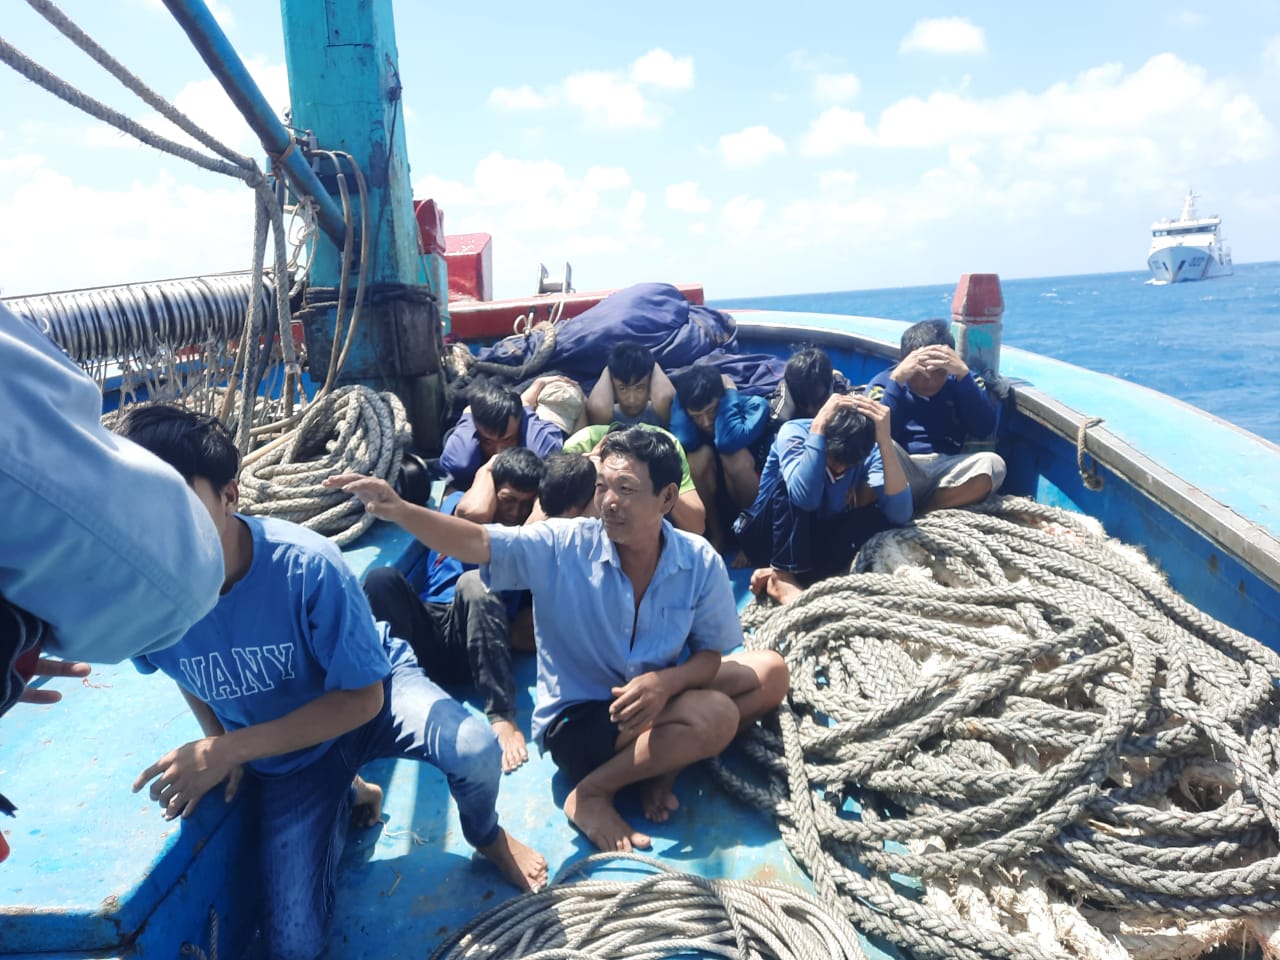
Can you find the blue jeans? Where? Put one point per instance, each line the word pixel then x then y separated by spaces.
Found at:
pixel 303 816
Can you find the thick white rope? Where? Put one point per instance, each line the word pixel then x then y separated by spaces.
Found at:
pixel 1058 745
pixel 669 914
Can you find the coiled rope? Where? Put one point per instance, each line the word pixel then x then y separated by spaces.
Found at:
pixel 668 914
pixel 1075 761
pixel 352 429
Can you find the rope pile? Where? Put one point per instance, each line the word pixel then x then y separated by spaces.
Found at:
pixel 351 429
pixel 1073 760
pixel 669 914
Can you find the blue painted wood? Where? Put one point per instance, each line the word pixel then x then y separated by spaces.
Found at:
pixel 344 86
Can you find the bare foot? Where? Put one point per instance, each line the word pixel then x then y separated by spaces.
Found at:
pixel 514 750
pixel 760 578
pixel 595 815
pixel 522 866
pixel 659 802
pixel 784 591
pixel 367 809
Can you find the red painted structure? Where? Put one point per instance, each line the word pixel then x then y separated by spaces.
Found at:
pixel 977 310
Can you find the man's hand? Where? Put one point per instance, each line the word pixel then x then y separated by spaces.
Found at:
pixel 185 775
pixel 825 412
pixel 377 495
pixel 637 703
pixel 926 360
pixel 49 667
pixel 876 412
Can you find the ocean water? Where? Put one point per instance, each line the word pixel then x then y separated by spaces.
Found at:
pixel 1214 344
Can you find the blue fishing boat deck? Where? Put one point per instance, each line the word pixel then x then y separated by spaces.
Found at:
pixel 96 872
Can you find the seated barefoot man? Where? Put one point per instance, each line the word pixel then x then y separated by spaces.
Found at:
pixel 460 630
pixel 290 676
pixel 618 600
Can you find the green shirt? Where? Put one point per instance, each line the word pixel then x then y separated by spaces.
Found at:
pixel 585 439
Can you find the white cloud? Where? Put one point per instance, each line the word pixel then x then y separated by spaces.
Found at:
pixel 750 147
pixel 658 68
pixel 834 130
pixel 518 98
pixel 835 87
pixel 538 211
pixel 609 101
pixel 139 231
pixel 1271 54
pixel 944 35
pixel 1187 19
pixel 742 214
pixel 208 105
pixel 832 180
pixel 687 197
pixel 632 219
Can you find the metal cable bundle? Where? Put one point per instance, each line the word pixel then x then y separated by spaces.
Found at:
pixel 1072 759
pixel 352 429
pixel 143 319
pixel 668 914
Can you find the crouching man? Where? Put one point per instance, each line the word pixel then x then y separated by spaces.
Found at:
pixel 295 684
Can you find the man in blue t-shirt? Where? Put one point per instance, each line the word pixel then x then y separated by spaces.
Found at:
pixel 460 631
pixel 295 685
pixel 937 404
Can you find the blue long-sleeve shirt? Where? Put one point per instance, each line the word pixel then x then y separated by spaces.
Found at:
pixel 740 421
pixel 937 424
pixel 102 540
pixel 799 458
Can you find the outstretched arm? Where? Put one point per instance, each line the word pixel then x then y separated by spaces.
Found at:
pixel 452 536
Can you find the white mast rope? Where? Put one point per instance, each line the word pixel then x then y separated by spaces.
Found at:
pixel 113 66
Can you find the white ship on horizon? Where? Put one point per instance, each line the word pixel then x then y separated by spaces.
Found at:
pixel 1189 248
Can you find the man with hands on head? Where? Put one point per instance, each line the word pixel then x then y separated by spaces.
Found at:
pixel 619 600
pixel 938 403
pixel 829 483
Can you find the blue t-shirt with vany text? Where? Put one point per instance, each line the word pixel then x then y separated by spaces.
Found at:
pixel 294 627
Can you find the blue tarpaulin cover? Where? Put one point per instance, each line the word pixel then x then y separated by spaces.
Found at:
pixel 656 315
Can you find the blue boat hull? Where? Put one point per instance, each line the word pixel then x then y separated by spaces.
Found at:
pixel 95 872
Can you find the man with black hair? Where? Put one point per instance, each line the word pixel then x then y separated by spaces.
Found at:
pixel 460 631
pixel 568 488
pixel 807 380
pixel 632 389
pixel 494 420
pixel 618 602
pixel 830 482
pixel 725 434
pixel 938 403
pixel 290 677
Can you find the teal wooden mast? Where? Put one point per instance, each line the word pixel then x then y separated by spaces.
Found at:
pixel 346 105
pixel 344 85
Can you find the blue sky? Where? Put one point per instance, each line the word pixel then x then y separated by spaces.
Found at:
pixel 755 148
